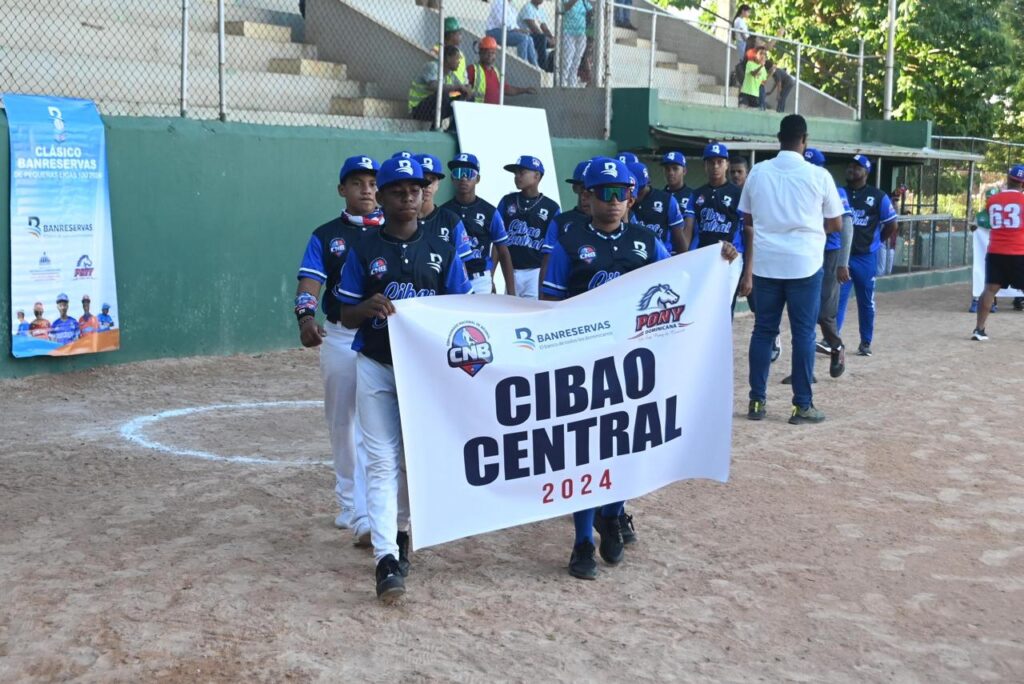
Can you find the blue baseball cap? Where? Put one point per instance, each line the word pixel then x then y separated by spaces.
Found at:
pixel 607 172
pixel 465 160
pixel 402 155
pixel 526 162
pixel 577 173
pixel 628 158
pixel 358 164
pixel 715 150
pixel 814 156
pixel 1016 172
pixel 62 297
pixel 105 306
pixel 862 161
pixel 430 164
pixel 674 157
pixel 397 170
pixel 639 170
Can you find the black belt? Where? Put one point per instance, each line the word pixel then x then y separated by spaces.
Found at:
pixel 477 274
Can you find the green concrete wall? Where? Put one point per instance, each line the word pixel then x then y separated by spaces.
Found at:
pixel 210 220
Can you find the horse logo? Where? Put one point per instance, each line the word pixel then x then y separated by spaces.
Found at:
pixel 658 297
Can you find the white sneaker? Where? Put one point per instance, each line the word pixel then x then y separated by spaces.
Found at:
pixel 979 335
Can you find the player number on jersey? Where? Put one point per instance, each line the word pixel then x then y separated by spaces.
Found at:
pixel 1004 216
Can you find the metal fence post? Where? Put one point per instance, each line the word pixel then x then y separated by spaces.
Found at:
pixel 796 98
pixel 440 67
pixel 654 48
pixel 728 67
pixel 968 234
pixel 608 34
pixel 913 247
pixel 504 50
pixel 221 96
pixel 949 243
pixel 183 98
pixel 860 82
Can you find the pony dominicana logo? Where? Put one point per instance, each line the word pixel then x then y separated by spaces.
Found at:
pixel 659 309
pixel 469 348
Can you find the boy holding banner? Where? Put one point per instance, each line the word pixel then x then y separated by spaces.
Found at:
pixel 580 260
pixel 399 261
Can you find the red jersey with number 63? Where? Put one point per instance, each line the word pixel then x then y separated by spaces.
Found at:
pixel 1006 217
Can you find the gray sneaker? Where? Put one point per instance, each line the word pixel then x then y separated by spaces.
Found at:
pixel 807 414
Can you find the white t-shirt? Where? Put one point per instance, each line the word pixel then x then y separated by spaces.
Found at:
pixel 741 28
pixel 789 200
pixel 496 19
pixel 533 13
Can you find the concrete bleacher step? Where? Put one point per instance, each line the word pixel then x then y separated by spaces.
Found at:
pixel 691 97
pixel 369 107
pixel 679 66
pixel 308 67
pixel 259 31
pixel 626 54
pixel 718 90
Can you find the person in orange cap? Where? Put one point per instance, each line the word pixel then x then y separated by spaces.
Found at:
pixel 484 78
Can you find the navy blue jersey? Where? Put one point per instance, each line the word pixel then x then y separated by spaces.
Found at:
pixel 715 214
pixel 447 225
pixel 871 210
pixel 422 266
pixel 659 212
pixel 574 218
pixel 683 196
pixel 833 241
pixel 587 258
pixel 527 222
pixel 325 254
pixel 484 228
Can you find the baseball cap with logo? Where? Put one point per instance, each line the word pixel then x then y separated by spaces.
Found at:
pixel 628 158
pixel 715 150
pixel 862 161
pixel 358 164
pixel 674 157
pixel 526 162
pixel 643 178
pixel 404 154
pixel 1016 172
pixel 398 170
pixel 62 297
pixel 465 160
pixel 814 156
pixel 577 173
pixel 606 172
pixel 430 164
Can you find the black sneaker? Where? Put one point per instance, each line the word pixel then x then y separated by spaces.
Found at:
pixel 1018 303
pixel 822 348
pixel 612 548
pixel 390 583
pixel 979 335
pixel 776 348
pixel 756 410
pixel 403 553
pixel 864 349
pixel 581 563
pixel 788 380
pixel 837 366
pixel 626 526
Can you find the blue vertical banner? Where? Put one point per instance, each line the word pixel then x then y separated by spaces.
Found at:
pixel 63 290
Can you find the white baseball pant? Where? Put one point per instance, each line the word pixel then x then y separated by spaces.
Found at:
pixel 527 282
pixel 338 371
pixel 481 284
pixel 387 490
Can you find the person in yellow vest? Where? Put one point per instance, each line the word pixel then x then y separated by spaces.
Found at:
pixel 484 80
pixel 453 36
pixel 423 91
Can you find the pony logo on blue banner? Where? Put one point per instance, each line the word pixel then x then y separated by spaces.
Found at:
pixel 60 202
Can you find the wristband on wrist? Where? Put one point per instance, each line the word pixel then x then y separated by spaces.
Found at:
pixel 305 306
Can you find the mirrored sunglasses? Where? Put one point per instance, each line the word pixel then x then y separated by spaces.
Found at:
pixel 607 193
pixel 464 173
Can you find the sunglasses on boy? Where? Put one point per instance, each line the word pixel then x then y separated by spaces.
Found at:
pixel 607 193
pixel 464 173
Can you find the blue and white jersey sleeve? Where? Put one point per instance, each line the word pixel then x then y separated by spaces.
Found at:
pixel 845 199
pixel 660 251
pixel 690 213
pixel 886 212
pixel 556 280
pixel 550 238
pixel 456 281
pixel 498 234
pixel 463 247
pixel 675 217
pixel 312 265
pixel 349 289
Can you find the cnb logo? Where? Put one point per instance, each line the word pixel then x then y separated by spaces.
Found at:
pixel 83 269
pixel 469 348
pixel 663 306
pixel 524 339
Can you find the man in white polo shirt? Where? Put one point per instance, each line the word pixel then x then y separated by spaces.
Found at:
pixel 791 205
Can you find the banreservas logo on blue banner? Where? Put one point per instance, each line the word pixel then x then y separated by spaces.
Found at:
pixel 61 237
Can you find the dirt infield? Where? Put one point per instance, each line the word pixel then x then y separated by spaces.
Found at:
pixel 885 545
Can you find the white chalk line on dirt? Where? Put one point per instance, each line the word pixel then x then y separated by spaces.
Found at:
pixel 134 428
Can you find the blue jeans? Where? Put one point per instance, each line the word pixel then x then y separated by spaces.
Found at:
pixel 863 268
pixel 621 13
pixel 522 42
pixel 802 296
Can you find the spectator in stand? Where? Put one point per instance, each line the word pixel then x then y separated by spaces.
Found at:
pixel 574 39
pixel 423 91
pixel 485 79
pixel 781 81
pixel 741 32
pixel 453 36
pixel 622 18
pixel 534 20
pixel 504 14
pixel 754 76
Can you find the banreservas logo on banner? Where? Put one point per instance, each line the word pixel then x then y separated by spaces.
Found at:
pixel 533 435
